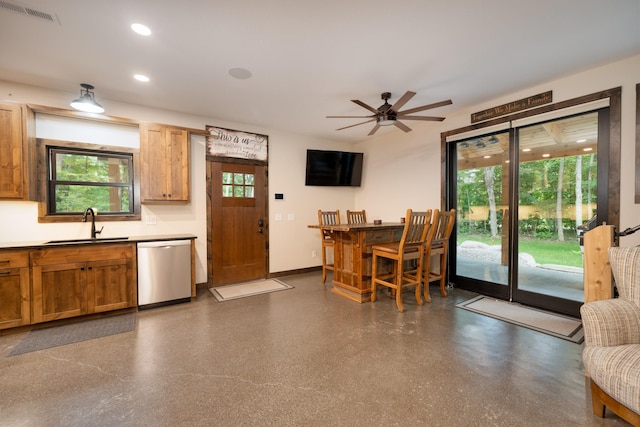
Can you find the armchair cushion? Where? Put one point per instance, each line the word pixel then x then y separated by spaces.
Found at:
pixel 616 370
pixel 610 322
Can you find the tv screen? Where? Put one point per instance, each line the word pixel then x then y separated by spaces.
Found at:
pixel 333 168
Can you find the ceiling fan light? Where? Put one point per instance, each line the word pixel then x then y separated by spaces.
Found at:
pixel 86 102
pixel 386 119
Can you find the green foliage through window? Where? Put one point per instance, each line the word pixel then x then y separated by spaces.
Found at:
pixel 235 184
pixel 79 179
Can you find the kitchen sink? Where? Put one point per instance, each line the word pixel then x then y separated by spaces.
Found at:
pixel 96 240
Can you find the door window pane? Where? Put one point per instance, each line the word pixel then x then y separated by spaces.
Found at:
pixel 236 184
pixel 557 195
pixel 483 208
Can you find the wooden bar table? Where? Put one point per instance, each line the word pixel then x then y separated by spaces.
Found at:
pixel 352 255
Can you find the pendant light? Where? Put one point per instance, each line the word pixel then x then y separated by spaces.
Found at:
pixel 86 102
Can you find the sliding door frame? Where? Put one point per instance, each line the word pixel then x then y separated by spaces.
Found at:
pixel 608 174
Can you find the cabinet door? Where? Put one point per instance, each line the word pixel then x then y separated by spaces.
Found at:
pixel 153 156
pixel 11 152
pixel 59 291
pixel 177 164
pixel 165 163
pixel 110 285
pixel 14 297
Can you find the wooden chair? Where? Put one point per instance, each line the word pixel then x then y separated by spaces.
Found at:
pixel 410 247
pixel 356 217
pixel 443 223
pixel 327 218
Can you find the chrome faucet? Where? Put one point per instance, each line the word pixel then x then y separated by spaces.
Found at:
pixel 94 233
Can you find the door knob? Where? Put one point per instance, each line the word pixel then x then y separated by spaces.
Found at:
pixel 260 223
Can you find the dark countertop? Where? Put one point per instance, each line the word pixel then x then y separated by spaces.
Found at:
pixel 102 240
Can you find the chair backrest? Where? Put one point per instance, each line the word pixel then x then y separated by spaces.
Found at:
pixel 356 217
pixel 443 223
pixel 416 229
pixel 625 265
pixel 328 218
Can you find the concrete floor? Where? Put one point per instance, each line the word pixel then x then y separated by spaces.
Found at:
pixel 302 357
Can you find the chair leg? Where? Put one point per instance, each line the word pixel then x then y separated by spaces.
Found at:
pixel 443 274
pixel 419 284
pixel 324 264
pixel 399 294
pixel 374 269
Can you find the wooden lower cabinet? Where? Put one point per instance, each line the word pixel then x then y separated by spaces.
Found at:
pixel 78 280
pixel 109 285
pixel 15 305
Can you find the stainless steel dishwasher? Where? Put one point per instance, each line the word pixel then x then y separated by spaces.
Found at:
pixel 164 272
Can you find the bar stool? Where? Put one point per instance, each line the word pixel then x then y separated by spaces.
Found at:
pixel 356 217
pixel 443 223
pixel 328 241
pixel 411 247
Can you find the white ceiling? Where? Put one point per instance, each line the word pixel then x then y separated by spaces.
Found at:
pixel 309 59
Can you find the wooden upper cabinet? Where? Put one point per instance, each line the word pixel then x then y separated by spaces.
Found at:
pixel 165 162
pixel 17 152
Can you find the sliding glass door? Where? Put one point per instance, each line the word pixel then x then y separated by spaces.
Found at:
pixel 524 195
pixel 482 230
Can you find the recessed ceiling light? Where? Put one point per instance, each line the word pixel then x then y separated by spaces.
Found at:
pixel 240 73
pixel 143 30
pixel 526 150
pixel 581 140
pixel 141 77
pixel 546 155
pixel 486 157
pixel 587 149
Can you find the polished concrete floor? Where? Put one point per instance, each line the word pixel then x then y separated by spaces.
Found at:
pixel 302 357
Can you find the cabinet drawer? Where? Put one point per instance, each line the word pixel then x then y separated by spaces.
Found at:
pixel 14 259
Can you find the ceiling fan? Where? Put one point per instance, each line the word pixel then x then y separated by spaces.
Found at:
pixel 388 114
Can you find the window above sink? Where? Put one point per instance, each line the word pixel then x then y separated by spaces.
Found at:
pixel 76 175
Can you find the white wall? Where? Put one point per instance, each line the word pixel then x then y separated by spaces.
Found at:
pixel 403 169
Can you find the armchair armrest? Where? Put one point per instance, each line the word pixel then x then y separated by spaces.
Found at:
pixel 610 322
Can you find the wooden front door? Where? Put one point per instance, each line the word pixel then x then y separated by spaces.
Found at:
pixel 238 222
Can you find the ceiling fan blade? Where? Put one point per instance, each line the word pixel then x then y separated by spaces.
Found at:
pixel 357 124
pixel 363 105
pixel 402 126
pixel 425 107
pixel 375 129
pixel 403 100
pixel 424 118
pixel 349 117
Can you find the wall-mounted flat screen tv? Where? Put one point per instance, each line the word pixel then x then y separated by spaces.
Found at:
pixel 333 168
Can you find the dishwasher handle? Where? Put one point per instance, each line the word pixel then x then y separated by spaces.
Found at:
pixel 163 243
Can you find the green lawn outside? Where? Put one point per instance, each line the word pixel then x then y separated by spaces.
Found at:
pixel 544 251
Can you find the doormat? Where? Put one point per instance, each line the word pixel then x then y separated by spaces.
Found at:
pixel 248 289
pixel 56 336
pixel 553 324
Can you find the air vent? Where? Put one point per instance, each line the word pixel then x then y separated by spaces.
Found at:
pixel 26 10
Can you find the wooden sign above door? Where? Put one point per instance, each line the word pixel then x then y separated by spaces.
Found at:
pixel 512 107
pixel 223 142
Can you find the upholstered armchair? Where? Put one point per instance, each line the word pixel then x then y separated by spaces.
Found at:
pixel 612 340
